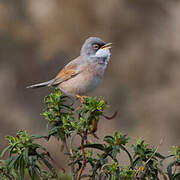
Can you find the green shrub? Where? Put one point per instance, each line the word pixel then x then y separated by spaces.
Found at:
pixel 29 160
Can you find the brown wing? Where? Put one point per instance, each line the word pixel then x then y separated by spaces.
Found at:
pixel 65 74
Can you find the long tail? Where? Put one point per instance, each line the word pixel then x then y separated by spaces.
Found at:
pixel 47 83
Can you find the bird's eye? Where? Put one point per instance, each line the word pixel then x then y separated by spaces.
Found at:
pixel 96 46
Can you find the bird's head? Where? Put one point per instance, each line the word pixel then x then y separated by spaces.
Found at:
pixel 95 47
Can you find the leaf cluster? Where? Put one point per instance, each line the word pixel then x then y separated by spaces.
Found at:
pixel 73 126
pixel 25 156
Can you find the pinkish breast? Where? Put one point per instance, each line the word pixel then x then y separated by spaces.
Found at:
pixel 85 81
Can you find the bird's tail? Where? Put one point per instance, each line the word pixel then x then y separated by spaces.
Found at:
pixel 47 83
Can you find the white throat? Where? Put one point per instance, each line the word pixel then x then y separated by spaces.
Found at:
pixel 103 53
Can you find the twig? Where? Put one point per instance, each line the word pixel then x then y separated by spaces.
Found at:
pixel 84 160
pixel 71 157
pixel 161 141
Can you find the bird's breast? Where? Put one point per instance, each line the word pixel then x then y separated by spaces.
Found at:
pixel 87 80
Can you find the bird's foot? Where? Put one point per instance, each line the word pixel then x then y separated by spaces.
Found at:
pixel 81 98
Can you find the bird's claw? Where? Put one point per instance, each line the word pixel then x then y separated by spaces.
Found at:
pixel 81 98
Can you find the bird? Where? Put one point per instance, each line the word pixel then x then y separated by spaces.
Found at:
pixel 84 73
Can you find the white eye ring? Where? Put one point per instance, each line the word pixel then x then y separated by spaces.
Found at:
pixel 96 46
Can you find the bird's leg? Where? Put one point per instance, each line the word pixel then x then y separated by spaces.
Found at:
pixel 81 98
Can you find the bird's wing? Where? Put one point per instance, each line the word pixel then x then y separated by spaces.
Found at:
pixel 70 70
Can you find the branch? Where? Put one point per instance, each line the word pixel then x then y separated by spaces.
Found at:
pixel 84 160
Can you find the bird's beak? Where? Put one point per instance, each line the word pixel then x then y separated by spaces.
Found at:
pixel 106 46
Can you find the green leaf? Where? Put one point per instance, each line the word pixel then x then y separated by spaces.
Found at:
pixel 12 149
pixel 137 161
pixel 48 164
pixel 5 150
pixel 95 146
pixel 129 155
pixel 25 156
pixel 169 170
pixel 177 176
pixel 39 137
pixel 11 161
pixel 33 173
pixel 21 168
pixel 157 154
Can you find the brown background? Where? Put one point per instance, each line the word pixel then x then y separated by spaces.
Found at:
pixel 142 81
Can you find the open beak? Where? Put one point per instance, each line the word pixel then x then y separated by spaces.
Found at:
pixel 106 46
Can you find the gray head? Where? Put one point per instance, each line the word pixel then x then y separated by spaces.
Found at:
pixel 91 46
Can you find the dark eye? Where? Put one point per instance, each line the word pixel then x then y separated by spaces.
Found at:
pixel 96 46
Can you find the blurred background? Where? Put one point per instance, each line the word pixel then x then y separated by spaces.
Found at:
pixel 142 81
